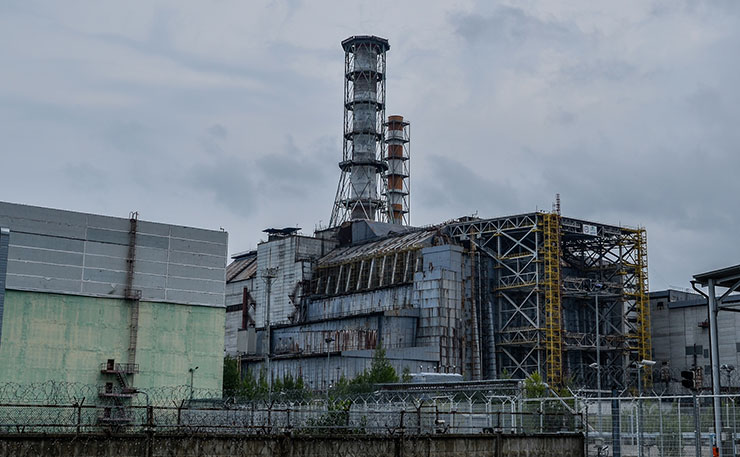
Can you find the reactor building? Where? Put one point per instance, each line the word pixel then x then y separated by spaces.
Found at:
pixel 485 298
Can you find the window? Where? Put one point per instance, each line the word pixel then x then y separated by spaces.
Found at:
pixel 699 349
pixel 661 304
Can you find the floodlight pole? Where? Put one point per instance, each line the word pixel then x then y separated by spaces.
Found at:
pixel 269 275
pixel 640 365
pixel 639 410
pixel 328 340
pixel 714 348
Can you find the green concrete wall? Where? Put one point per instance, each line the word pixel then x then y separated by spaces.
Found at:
pixel 66 337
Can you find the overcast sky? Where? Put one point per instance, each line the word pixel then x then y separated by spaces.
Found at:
pixel 229 113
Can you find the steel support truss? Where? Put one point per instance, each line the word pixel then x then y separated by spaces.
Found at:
pixel 361 183
pixel 593 260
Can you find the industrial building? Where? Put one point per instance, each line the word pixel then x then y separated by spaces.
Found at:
pixel 681 340
pixel 481 297
pixel 124 304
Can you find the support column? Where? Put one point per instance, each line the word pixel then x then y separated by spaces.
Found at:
pixel 714 349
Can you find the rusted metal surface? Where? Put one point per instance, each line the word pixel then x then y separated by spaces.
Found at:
pixel 242 268
pixel 412 240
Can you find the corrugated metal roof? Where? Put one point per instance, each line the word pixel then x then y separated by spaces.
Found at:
pixel 399 242
pixel 242 268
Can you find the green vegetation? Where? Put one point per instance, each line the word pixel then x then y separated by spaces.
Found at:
pixel 406 376
pixel 231 379
pixel 253 387
pixel 381 372
pixel 534 387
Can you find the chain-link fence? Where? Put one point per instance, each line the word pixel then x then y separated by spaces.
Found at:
pixel 74 408
pixel 660 426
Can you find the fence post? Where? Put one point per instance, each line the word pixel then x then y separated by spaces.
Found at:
pixel 616 425
pixel 585 431
pixel 149 416
pixel 542 414
pixel 632 422
pixel 179 412
pixel 418 418
pixel 734 428
pixel 660 424
pixel 680 430
pixel 697 425
pixel 79 414
pixel 470 415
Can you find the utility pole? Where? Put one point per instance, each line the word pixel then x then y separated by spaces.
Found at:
pixel 328 341
pixel 268 276
pixel 640 365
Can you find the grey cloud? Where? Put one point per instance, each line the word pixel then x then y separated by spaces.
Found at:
pixel 131 137
pixel 561 116
pixel 587 71
pixel 218 131
pixel 85 177
pixel 455 189
pixel 510 25
pixel 228 181
pixel 290 171
pixel 629 113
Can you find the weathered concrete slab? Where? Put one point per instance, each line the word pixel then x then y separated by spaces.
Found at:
pixel 350 445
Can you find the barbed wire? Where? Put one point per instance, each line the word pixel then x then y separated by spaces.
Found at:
pixel 62 407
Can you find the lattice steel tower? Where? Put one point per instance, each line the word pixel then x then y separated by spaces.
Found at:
pixel 359 193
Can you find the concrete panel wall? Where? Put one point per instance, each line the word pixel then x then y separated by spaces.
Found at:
pixel 76 253
pixel 348 334
pixel 66 337
pixel 186 445
pixel 373 301
pixel 233 323
pixel 292 256
pixel 438 292
pixel 318 372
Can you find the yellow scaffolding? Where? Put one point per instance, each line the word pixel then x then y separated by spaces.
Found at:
pixel 639 340
pixel 553 309
pixel 645 344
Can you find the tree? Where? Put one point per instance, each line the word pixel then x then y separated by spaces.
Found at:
pixel 406 376
pixel 534 387
pixel 231 379
pixel 381 372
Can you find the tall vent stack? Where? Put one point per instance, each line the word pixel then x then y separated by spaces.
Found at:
pixel 397 177
pixel 358 193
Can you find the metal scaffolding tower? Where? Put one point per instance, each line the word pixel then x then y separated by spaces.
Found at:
pixel 359 192
pixel 640 338
pixel 542 294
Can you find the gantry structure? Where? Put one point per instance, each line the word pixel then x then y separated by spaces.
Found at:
pixel 550 285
